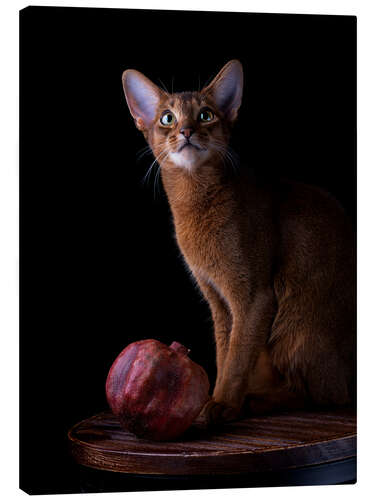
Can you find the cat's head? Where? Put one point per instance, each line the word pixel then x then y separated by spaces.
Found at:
pixel 186 129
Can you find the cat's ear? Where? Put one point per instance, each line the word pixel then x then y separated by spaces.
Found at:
pixel 226 89
pixel 142 96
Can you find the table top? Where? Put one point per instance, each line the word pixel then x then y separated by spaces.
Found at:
pixel 257 444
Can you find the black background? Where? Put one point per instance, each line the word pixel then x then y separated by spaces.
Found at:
pixel 99 264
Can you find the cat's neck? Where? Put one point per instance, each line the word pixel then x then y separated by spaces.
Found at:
pixel 194 191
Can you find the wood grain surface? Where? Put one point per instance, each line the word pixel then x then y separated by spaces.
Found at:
pixel 257 444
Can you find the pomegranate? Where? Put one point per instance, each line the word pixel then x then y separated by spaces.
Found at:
pixel 156 390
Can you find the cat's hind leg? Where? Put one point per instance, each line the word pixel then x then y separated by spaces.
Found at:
pixel 313 366
pixel 267 391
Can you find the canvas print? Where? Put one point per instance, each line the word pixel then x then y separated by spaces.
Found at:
pixel 188 260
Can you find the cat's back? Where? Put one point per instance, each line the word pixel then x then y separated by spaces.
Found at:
pixel 314 229
pixel 308 222
pixel 315 263
pixel 308 201
pixel 314 285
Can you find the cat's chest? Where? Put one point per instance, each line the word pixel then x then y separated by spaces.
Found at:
pixel 204 240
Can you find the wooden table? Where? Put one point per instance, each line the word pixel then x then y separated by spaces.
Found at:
pixel 283 449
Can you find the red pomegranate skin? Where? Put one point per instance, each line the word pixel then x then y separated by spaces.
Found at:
pixel 156 390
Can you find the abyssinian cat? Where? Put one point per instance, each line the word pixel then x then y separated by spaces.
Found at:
pixel 275 261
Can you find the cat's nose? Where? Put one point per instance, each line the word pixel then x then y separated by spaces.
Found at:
pixel 187 132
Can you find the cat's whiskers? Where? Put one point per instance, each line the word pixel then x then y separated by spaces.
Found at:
pixel 221 155
pixel 143 152
pixel 159 160
pixel 156 180
pixel 233 158
pixel 164 87
pixel 226 153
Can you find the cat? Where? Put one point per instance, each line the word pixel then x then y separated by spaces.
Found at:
pixel 274 260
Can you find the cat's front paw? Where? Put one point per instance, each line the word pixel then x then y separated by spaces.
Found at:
pixel 215 413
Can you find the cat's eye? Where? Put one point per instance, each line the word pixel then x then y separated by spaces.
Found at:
pixel 206 115
pixel 167 119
